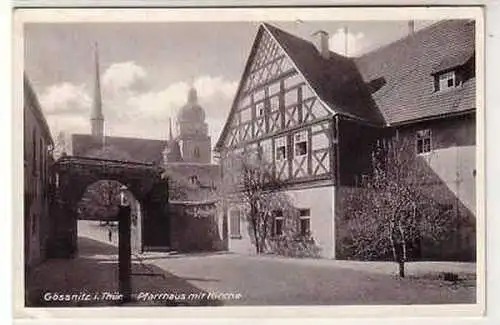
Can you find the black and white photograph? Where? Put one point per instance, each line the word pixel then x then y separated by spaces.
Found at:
pixel 223 159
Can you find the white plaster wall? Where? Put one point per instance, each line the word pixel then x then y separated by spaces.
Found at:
pixel 320 201
pixel 244 244
pixel 455 167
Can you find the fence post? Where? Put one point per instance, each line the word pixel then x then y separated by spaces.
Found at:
pixel 124 254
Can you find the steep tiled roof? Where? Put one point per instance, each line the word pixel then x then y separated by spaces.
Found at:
pixel 405 71
pixel 336 80
pixel 129 149
pixel 390 85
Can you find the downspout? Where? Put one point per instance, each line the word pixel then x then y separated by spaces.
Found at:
pixel 225 230
pixel 336 175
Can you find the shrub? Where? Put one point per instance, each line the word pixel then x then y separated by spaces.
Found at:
pixel 294 246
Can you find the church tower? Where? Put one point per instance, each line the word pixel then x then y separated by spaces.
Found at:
pixel 172 152
pixel 194 141
pixel 96 117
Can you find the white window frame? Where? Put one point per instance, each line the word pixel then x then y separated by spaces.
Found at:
pixel 274 102
pixel 305 217
pixel 276 218
pixel 260 109
pixel 420 137
pixel 443 80
pixel 280 143
pixel 297 139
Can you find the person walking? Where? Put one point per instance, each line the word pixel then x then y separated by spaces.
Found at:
pixel 110 234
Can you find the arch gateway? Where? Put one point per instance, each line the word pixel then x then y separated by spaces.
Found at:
pixel 146 181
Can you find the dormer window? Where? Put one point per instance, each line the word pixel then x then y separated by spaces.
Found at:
pixel 446 80
pixel 453 70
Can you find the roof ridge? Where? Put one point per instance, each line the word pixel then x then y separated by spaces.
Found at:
pixel 405 38
pixel 305 40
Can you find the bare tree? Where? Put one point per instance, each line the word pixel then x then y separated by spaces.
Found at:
pixel 249 180
pixel 394 208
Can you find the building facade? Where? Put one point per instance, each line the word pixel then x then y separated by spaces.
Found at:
pixel 316 116
pixel 38 179
pixel 186 158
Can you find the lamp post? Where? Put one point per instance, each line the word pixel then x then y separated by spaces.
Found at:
pixel 124 247
pixel 123 197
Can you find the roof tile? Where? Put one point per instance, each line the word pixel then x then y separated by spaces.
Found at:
pixel 407 67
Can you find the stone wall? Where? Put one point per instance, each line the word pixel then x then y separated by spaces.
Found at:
pixel 194 227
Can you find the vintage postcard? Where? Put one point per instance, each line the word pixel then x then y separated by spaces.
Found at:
pixel 307 159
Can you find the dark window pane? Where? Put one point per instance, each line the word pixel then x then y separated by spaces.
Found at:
pixel 419 146
pixel 304 226
pixel 280 153
pixel 278 226
pixel 427 144
pixel 301 148
pixel 304 212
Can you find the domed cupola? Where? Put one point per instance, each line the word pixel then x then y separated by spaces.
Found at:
pixel 191 111
pixel 193 139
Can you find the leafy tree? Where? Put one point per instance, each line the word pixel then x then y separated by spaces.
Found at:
pixel 248 181
pixel 100 201
pixel 395 208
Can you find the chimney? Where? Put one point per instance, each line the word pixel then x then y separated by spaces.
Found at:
pixel 411 27
pixel 322 43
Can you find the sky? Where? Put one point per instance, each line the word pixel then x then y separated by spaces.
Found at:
pixel 146 68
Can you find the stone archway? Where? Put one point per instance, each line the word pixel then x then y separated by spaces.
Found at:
pixel 74 174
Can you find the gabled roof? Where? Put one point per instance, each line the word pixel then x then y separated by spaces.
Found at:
pixel 390 85
pixel 130 149
pixel 405 70
pixel 335 80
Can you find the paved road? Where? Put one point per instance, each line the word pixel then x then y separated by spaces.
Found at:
pixel 257 280
pixel 282 281
pixel 91 279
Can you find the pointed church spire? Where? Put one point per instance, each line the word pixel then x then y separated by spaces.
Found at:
pixel 97 118
pixel 170 137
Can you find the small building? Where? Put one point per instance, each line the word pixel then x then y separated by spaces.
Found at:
pixel 38 180
pixel 315 116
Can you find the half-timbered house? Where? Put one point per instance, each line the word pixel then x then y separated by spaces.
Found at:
pixel 315 116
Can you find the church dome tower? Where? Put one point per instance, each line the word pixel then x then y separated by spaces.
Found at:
pixel 194 142
pixel 191 111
